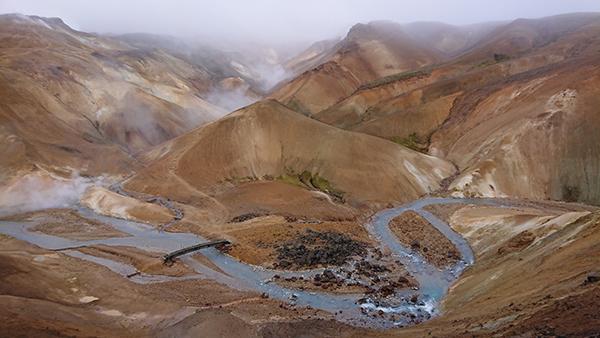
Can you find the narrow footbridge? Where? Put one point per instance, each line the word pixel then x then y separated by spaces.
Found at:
pixel 169 257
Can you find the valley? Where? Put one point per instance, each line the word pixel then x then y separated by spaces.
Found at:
pixel 404 180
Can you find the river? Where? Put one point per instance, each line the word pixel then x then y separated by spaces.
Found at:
pixel 433 282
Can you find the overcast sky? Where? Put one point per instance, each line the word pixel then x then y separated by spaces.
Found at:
pixel 278 20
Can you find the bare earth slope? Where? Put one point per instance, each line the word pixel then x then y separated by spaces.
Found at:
pixel 515 112
pixel 532 134
pixel 267 140
pixel 382 106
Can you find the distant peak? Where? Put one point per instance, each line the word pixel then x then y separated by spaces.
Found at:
pixel 19 18
pixel 374 29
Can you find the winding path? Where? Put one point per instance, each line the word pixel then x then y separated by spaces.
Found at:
pixel 433 282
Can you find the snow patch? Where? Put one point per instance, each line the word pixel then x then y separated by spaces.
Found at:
pixel 476 184
pixel 100 112
pixel 104 202
pixel 112 313
pixel 42 23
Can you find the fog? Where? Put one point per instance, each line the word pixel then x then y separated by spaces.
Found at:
pixel 275 21
pixel 262 34
pixel 231 99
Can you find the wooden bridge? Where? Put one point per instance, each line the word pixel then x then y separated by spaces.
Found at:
pixel 169 257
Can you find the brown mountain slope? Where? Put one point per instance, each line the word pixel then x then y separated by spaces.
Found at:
pixel 267 141
pixel 368 52
pixel 533 137
pixel 523 35
pixel 465 108
pixel 532 134
pixel 383 106
pixel 69 98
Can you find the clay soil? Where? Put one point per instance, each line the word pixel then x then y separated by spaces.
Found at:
pixel 48 294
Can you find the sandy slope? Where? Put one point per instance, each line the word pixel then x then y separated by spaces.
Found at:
pixel 105 202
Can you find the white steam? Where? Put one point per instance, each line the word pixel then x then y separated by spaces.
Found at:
pixel 236 92
pixel 231 99
pixel 41 191
pixel 269 75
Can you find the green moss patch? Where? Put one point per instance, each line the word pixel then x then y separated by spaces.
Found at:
pixel 306 179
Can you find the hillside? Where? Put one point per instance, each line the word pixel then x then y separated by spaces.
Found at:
pixel 498 80
pixel 255 68
pixel 269 142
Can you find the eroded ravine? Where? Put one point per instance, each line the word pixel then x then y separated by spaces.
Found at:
pixel 355 309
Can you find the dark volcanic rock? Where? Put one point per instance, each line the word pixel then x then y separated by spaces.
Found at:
pixel 314 248
pixel 403 280
pixel 593 277
pixel 244 217
pixel 329 276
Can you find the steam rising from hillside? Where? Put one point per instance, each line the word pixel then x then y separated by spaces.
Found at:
pixel 231 99
pixel 234 93
pixel 270 75
pixel 41 191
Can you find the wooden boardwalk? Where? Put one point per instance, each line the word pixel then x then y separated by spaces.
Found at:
pixel 169 257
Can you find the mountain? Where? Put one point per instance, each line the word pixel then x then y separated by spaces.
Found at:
pixel 311 57
pixel 269 143
pixel 468 108
pixel 384 125
pixel 534 136
pixel 249 65
pixel 368 52
pixel 70 98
